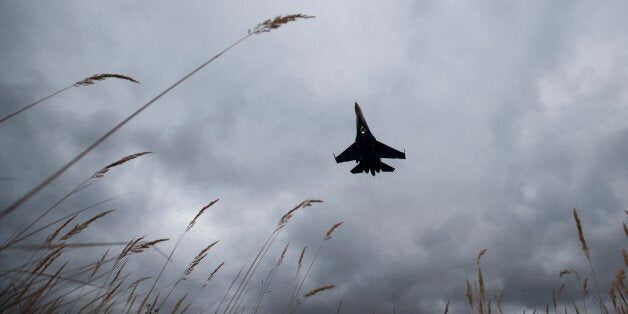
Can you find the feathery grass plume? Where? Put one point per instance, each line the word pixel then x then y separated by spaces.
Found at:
pixel 296 276
pixel 80 227
pixel 613 295
pixel 43 264
pixel 197 259
pixel 54 234
pixel 286 217
pixel 30 234
pixel 482 252
pixel 30 302
pixel 263 27
pixel 447 306
pixel 100 77
pixel 176 307
pixel 499 299
pixel 326 237
pixel 205 284
pixel 331 230
pixel 88 81
pixel 585 286
pixel 300 261
pixel 101 173
pixel 262 252
pixel 98 264
pixel 620 277
pixel 176 245
pixel 278 21
pixel 625 256
pixel 563 273
pixel 469 294
pixel 587 254
pixel 583 241
pixel 200 212
pixel 317 290
pixel 133 286
pixel 139 247
pixel 482 292
pixel 213 273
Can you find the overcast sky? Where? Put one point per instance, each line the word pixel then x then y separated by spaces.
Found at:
pixel 511 114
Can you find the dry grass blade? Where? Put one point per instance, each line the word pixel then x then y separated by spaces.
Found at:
pixel 447 306
pixel 100 173
pixel 585 286
pixel 80 227
pixel 99 77
pixel 331 230
pixel 319 289
pixel 200 212
pixel 278 21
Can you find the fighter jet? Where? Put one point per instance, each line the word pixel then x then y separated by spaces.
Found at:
pixel 367 151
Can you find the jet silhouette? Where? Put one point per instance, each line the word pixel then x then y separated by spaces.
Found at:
pixel 367 151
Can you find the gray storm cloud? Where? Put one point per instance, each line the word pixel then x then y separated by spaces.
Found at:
pixel 511 114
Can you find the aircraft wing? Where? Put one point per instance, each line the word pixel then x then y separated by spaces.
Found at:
pixel 351 153
pixel 389 152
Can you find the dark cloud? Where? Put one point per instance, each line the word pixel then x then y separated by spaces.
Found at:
pixel 511 114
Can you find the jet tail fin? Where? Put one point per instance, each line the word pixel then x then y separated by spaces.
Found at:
pixel 357 169
pixel 385 167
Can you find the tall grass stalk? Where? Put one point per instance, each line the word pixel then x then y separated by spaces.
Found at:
pixel 263 27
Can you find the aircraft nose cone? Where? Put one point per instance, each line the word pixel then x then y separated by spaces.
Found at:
pixel 358 111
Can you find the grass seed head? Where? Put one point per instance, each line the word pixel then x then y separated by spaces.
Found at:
pixel 200 212
pixel 99 77
pixel 319 289
pixel 101 173
pixel 331 230
pixel 278 21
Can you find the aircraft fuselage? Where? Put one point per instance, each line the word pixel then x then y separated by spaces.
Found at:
pixel 365 141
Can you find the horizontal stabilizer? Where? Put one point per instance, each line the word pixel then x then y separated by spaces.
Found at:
pixel 357 169
pixel 385 167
